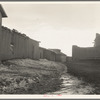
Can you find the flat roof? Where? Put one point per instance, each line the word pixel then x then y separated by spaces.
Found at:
pixel 2 11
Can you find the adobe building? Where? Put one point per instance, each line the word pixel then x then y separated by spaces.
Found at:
pixel 2 15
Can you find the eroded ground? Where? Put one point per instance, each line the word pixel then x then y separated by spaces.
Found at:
pixel 26 76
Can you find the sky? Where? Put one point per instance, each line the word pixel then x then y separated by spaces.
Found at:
pixel 55 25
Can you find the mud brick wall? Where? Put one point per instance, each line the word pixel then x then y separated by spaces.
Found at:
pixel 85 53
pixel 49 55
pixel 16 45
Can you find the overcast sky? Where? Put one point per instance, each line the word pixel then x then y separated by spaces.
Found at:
pixel 56 25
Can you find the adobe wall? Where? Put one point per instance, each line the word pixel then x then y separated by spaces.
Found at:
pixel 58 57
pixel 52 56
pixel 0 31
pixel 63 58
pixel 0 21
pixel 5 40
pixel 16 45
pixel 49 55
pixel 41 53
pixel 19 45
pixel 85 53
pixel 33 49
pixel 56 50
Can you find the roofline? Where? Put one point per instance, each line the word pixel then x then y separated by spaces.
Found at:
pixel 36 41
pixel 42 48
pixel 3 12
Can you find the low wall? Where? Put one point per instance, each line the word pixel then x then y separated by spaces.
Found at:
pixel 85 53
